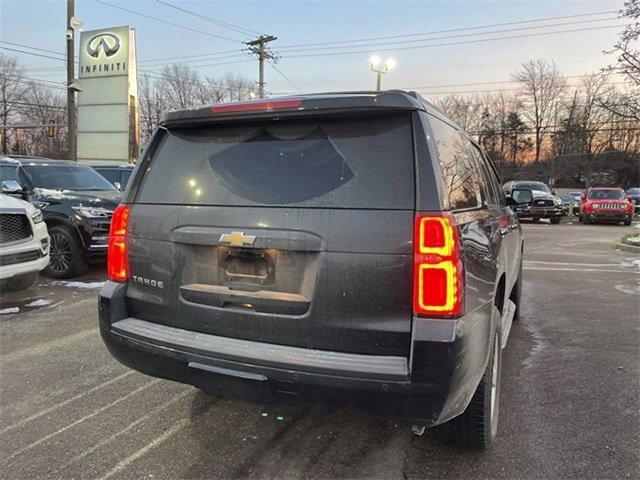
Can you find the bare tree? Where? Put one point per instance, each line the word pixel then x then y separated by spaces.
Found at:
pixel 628 62
pixel 152 104
pixel 180 86
pixel 11 91
pixel 542 88
pixel 44 106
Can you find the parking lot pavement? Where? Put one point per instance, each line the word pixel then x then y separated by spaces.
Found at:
pixel 569 406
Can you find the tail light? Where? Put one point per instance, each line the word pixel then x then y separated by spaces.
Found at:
pixel 117 255
pixel 437 267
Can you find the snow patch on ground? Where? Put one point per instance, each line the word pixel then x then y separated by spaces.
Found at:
pixel 83 285
pixel 6 311
pixel 38 303
pixel 634 239
pixel 627 289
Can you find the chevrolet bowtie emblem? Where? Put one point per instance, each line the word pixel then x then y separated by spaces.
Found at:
pixel 237 239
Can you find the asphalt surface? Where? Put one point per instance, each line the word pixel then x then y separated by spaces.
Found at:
pixel 569 406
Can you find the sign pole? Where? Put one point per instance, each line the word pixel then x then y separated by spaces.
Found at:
pixel 71 101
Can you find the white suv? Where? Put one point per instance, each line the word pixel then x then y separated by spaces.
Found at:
pixel 24 244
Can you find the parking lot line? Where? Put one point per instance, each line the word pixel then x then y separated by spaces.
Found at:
pixel 45 347
pixel 140 420
pixel 603 270
pixel 150 446
pixel 80 420
pixel 571 264
pixel 65 402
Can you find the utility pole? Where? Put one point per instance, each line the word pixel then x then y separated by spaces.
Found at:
pixel 259 48
pixel 71 100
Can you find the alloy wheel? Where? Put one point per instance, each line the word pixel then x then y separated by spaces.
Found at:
pixel 60 253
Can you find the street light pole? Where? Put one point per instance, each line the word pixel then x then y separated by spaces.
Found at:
pixel 388 65
pixel 71 100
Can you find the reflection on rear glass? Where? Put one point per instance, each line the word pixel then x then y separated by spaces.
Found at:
pixel 267 169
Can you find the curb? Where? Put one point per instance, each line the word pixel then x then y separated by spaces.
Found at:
pixel 617 244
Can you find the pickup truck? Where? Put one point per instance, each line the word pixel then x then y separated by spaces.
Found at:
pixel 350 249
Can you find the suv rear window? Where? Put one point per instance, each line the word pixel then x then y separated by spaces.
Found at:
pixel 335 163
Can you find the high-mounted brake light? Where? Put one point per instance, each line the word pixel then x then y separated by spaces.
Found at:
pixel 117 254
pixel 267 105
pixel 437 267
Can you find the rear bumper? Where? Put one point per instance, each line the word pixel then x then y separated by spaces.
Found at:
pixel 446 368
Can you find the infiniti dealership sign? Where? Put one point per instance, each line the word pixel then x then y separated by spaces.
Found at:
pixel 107 103
pixel 104 52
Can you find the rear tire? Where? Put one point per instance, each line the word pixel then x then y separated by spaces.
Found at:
pixel 555 220
pixel 19 282
pixel 67 258
pixel 477 426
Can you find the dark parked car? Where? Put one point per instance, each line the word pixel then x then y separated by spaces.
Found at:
pixel 117 175
pixel 349 249
pixel 571 201
pixel 545 203
pixel 634 195
pixel 77 204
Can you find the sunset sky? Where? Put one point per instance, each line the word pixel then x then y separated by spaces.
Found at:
pixel 421 65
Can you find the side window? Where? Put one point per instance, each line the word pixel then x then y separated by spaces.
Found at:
pixel 490 180
pixel 462 180
pixel 111 174
pixel 9 172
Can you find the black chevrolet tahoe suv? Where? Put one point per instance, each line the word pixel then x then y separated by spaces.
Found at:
pixel 350 249
pixel 76 203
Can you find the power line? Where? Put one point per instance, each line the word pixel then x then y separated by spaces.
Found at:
pixel 285 77
pixel 402 42
pixel 29 104
pixel 163 59
pixel 422 90
pixel 32 53
pixel 159 70
pixel 433 32
pixel 168 22
pixel 290 49
pixel 230 26
pixel 467 42
pixel 30 47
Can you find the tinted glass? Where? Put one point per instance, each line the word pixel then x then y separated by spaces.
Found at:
pixel 9 172
pixel 462 179
pixel 355 163
pixel 64 177
pixel 607 194
pixel 125 176
pixel 539 186
pixel 111 174
pixel 492 187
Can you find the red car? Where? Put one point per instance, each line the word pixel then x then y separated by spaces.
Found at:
pixel 605 204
